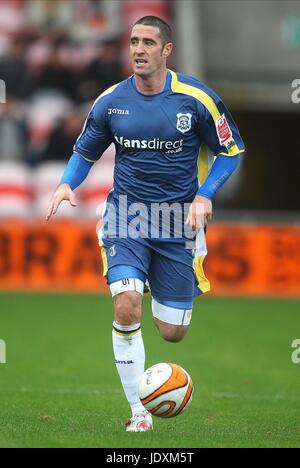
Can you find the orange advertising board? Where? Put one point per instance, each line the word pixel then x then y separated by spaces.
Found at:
pixel 58 256
pixel 247 259
pixel 243 259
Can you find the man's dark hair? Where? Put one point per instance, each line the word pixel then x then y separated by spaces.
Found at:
pixel 164 29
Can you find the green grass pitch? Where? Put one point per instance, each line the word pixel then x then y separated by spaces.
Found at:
pixel 59 387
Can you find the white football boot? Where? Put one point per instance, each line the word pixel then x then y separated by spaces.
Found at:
pixel 140 422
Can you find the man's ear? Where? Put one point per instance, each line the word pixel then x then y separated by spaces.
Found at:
pixel 167 50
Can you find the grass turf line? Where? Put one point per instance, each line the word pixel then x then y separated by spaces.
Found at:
pixel 60 387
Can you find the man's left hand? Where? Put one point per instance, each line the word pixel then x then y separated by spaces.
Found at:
pixel 200 212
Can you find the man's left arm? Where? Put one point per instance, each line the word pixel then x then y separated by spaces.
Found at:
pixel 220 134
pixel 201 208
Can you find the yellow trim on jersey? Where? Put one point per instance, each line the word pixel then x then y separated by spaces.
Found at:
pixel 86 159
pixel 206 100
pixel 203 282
pixel 104 261
pixel 202 96
pixel 203 164
pixel 108 90
pixel 83 157
pixel 234 151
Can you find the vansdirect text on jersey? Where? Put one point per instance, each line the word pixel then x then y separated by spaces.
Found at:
pixel 168 146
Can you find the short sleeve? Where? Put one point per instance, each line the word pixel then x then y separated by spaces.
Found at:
pixel 95 137
pixel 217 128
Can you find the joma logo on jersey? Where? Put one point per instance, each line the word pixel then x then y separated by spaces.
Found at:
pixel 118 111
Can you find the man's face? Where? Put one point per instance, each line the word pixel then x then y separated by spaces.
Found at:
pixel 147 51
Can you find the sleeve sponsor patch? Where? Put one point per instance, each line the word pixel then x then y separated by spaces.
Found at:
pixel 224 132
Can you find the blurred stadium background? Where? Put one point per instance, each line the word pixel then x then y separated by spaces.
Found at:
pixel 56 57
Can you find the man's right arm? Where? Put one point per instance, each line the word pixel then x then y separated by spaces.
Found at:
pixel 76 171
pixel 93 141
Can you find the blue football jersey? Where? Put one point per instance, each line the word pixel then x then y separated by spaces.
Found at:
pixel 165 143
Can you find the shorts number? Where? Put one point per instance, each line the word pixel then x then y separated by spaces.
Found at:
pixel 125 282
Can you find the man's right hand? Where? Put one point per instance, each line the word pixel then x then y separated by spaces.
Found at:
pixel 63 192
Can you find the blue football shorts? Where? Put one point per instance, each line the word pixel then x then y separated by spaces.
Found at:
pixel 167 266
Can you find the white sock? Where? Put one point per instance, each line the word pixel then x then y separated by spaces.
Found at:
pixel 129 354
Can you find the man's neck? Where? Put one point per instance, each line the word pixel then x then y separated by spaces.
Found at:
pixel 154 84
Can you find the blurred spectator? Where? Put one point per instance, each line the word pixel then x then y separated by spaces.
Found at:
pixel 13 131
pixel 103 71
pixel 55 76
pixel 12 19
pixel 49 14
pixel 52 59
pixel 44 110
pixel 13 69
pixel 62 139
pixel 81 19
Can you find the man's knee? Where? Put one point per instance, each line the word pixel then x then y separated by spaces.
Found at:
pixel 172 333
pixel 174 336
pixel 127 307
